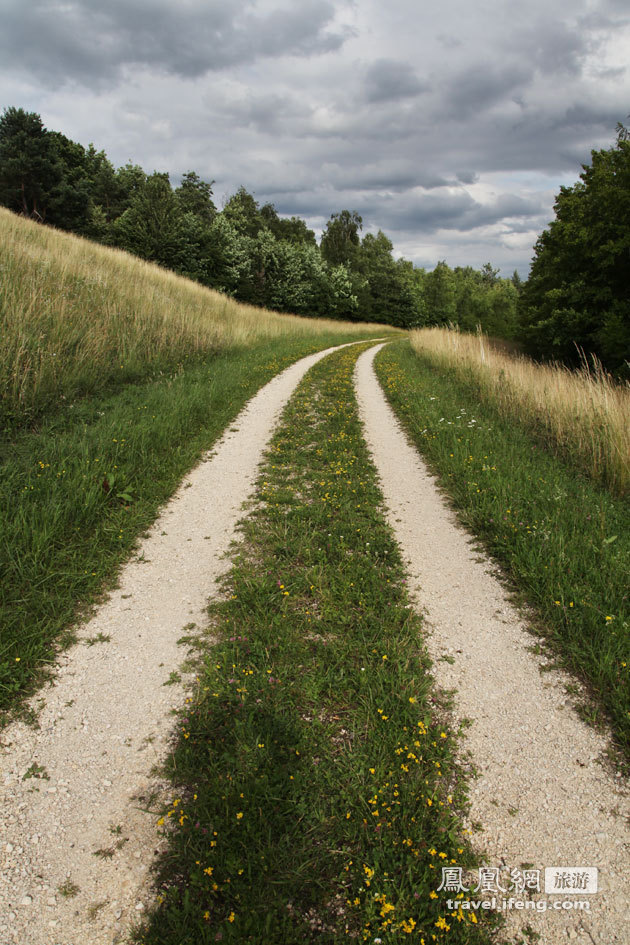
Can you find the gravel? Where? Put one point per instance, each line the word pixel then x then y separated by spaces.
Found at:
pixel 76 841
pixel 542 796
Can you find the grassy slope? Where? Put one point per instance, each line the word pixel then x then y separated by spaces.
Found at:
pixel 563 539
pixel 125 372
pixel 315 790
pixel 79 318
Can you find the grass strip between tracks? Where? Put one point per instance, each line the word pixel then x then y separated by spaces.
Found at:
pixel 315 792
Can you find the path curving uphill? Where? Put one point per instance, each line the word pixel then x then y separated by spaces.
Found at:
pixel 542 797
pixel 76 843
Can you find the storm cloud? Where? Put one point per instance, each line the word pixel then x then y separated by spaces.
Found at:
pixel 390 81
pixel 451 128
pixel 93 42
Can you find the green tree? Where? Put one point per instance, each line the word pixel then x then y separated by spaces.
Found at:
pixel 130 180
pixel 343 302
pixel 439 296
pixel 293 230
pixel 194 195
pixel 578 292
pixel 70 199
pixel 29 164
pixel 243 213
pixel 151 226
pixel 489 275
pixel 386 294
pixel 227 262
pixel 105 189
pixel 483 299
pixel 340 240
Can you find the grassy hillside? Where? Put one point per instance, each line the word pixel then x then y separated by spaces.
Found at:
pixel 112 371
pixel 78 317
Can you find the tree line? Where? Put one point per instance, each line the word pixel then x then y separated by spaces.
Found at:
pixel 244 249
pixel 575 301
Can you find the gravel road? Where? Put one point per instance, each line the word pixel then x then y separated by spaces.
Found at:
pixel 542 796
pixel 76 843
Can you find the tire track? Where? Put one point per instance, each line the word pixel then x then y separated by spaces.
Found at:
pixel 542 797
pixel 76 843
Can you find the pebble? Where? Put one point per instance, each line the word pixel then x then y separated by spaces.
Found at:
pixel 26 901
pixel 139 907
pixel 9 848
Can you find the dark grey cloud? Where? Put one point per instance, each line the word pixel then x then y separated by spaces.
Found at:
pixel 449 126
pixel 391 174
pixel 91 41
pixel 388 80
pixel 555 47
pixel 479 87
pixel 426 213
pixel 269 113
pixel 467 177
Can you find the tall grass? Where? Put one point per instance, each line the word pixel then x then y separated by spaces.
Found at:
pixel 76 317
pixel 583 414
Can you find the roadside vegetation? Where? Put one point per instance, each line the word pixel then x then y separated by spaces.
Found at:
pixel 562 537
pixel 315 791
pixel 116 376
pixel 582 415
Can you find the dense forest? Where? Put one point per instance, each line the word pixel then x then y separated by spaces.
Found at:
pixel 576 298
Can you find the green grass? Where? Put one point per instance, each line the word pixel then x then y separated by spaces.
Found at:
pixel 315 791
pixel 563 540
pixel 64 535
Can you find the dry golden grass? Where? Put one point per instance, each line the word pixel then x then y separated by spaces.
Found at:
pixel 76 316
pixel 584 414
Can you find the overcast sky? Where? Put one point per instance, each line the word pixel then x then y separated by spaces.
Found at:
pixel 449 125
